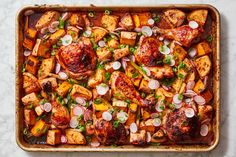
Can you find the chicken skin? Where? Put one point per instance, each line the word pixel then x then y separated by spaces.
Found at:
pixel 122 88
pixel 78 59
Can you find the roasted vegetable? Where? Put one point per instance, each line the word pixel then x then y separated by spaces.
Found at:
pixel 46 67
pixel 56 36
pixel 74 136
pixel 141 19
pixel 54 137
pixel 81 91
pixel 29 39
pixel 103 53
pixel 203 48
pixel 32 65
pixel 46 19
pixel 128 38
pixel 138 138
pixel 30 117
pixel 76 20
pixel 127 21
pixel 64 88
pixel 30 83
pixel 39 128
pixel 41 49
pixel 30 99
pixel 74 32
pixel 203 65
pixel 175 16
pixel 98 33
pixel 109 22
pixel 119 53
pixel 200 16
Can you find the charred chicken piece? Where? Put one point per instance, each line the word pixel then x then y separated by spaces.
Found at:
pixel 148 51
pixel 122 88
pixel 60 116
pixel 179 127
pixel 78 59
pixel 183 34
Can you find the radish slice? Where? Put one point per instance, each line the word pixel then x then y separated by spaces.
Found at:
pixel 66 40
pixel 124 64
pixel 80 28
pixel 189 112
pixel 27 53
pixel 192 52
pixel 88 115
pixel 65 16
pixel 101 43
pixel 133 128
pixel 42 107
pixel 102 89
pixel 63 139
pixel 52 30
pixel 137 29
pixel 166 88
pixel 190 85
pixel 199 100
pixel 189 93
pixel 120 29
pixel 148 137
pixel 164 50
pixel 107 116
pixel 87 33
pixel 157 122
pixel 96 27
pixel 116 65
pixel 204 130
pixel 188 100
pixel 44 30
pixel 193 24
pixel 54 24
pixel 132 58
pixel 151 21
pixel 177 106
pixel 47 107
pixel 146 30
pixel 147 71
pixel 80 101
pixel 172 62
pixel 115 34
pixel 122 116
pixel 78 111
pixel 74 122
pixel 58 68
pixel 153 84
pixel 159 107
pixel 161 38
pixel 63 75
pixel 154 115
pixel 176 99
pixel 95 144
pixel 28 12
pixel 166 42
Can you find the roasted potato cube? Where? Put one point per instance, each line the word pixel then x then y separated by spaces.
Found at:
pixel 165 71
pixel 188 64
pixel 76 20
pixel 175 16
pixel 119 103
pixel 98 34
pixel 113 43
pixel 28 44
pixel 145 114
pixel 127 21
pixel 191 76
pixel 109 22
pixel 128 38
pixel 199 16
pixel 144 86
pixel 203 48
pixel 46 67
pixel 32 65
pixel 182 88
pixel 176 85
pixel 101 104
pixel 204 112
pixel 73 32
pixel 132 114
pixel 56 36
pixel 63 88
pixel 138 138
pixel 179 54
pixel 39 128
pixel 29 39
pixel 199 87
pixel 133 107
pixel 207 95
pixel 30 99
pixel 81 91
pixel 119 53
pixel 203 65
pixel 41 49
pixel 147 125
pixel 74 136
pixel 30 117
pixel 159 136
pixel 46 19
pixel 54 137
pixel 166 93
pixel 39 111
pixel 141 19
pixel 103 53
pixel 48 84
pixel 97 78
pixel 133 74
pixel 30 83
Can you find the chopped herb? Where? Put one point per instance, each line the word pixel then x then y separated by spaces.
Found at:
pixel 157 96
pixel 107 12
pixel 143 95
pixel 132 50
pixel 72 81
pixel 182 65
pixel 121 46
pixel 128 101
pixel 171 106
pixel 39 96
pixel 54 46
pixel 168 81
pixel 159 62
pixel 97 101
pixel 37 130
pixel 180 97
pixel 135 75
pixel 180 75
pixel 91 14
pixel 31 106
pixel 116 123
pixel 25 131
pixel 81 128
pixel 167 60
pixel 43 101
pixel 107 76
pixel 175 69
pixel 84 84
pixel 23 68
pixel 157 18
pixel 111 49
pixel 162 107
pixel 100 66
pixel 209 38
pixel 61 23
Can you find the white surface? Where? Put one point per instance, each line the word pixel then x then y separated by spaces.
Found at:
pixel 8 9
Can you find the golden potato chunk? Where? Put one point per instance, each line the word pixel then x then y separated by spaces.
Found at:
pixel 113 43
pixel 159 136
pixel 97 78
pixel 56 36
pixel 30 83
pixel 144 86
pixel 30 117
pixel 103 53
pixel 63 88
pixel 98 34
pixel 138 138
pixel 54 137
pixel 74 136
pixel 76 20
pixel 100 104
pixel 109 22
pixel 81 91
pixel 175 16
pixel 203 65
pixel 46 19
pixel 41 48
pixel 133 74
pixel 73 32
pixel 29 39
pixel 127 21
pixel 179 54
pixel 46 67
pixel 199 16
pixel 39 128
pixel 199 87
pixel 203 48
pixel 30 99
pixel 128 38
pixel 48 84
pixel 119 53
pixel 32 65
pixel 141 19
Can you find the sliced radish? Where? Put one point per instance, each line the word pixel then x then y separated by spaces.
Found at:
pixel 124 63
pixel 133 128
pixel 146 30
pixel 102 89
pixel 116 34
pixel 63 139
pixel 107 116
pixel 66 40
pixel 166 88
pixel 177 106
pixel 189 93
pixel 44 30
pixel 52 30
pixel 193 24
pixel 199 100
pixel 47 107
pixel 166 42
pixel 65 16
pixel 192 52
pixel 95 144
pixel 116 65
pixel 164 50
pixel 122 116
pixel 188 100
pixel 148 137
pixel 148 72
pixel 172 62
pixel 190 85
pixel 96 27
pixel 120 29
pixel 78 111
pixel 80 101
pixel 101 43
pixel 154 115
pixel 156 121
pixel 87 33
pixel 27 53
pixel 153 84
pixel 161 38
pixel 132 58
pixel 54 24
pixel 151 21
pixel 63 75
pixel 137 29
pixel 205 80
pixel 176 99
pixel 189 112
pixel 42 107
pixel 58 68
pixel 159 107
pixel 80 28
pixel 74 122
pixel 204 130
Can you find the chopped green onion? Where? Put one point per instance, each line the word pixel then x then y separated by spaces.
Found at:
pixel 91 14
pixel 180 97
pixel 107 76
pixel 157 19
pixel 107 12
pixel 181 76
pixel 175 69
pixel 209 38
pixel 97 101
pixel 116 124
pixel 135 75
pixel 167 60
pixel 61 23
pixel 182 65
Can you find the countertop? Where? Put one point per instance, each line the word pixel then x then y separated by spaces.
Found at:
pixel 8 10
